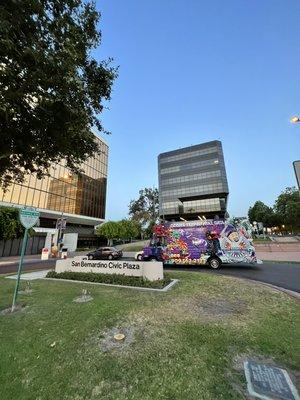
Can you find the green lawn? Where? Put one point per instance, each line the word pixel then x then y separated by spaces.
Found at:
pixel 262 240
pixel 183 344
pixel 133 247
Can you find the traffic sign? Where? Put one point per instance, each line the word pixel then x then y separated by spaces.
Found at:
pixel 29 217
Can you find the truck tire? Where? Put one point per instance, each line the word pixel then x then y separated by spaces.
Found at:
pixel 214 262
pixel 140 257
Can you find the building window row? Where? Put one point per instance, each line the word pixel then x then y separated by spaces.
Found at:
pixel 192 203
pixel 178 168
pixel 179 192
pixel 183 156
pixel 190 210
pixel 201 202
pixel 189 178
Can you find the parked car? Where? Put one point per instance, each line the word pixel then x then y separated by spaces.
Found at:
pixel 109 253
pixel 139 256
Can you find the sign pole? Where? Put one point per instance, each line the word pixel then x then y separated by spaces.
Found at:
pixel 28 218
pixel 20 269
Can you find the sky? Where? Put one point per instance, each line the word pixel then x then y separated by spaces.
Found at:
pixel 192 71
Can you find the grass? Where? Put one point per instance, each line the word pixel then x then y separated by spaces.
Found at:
pixel 262 240
pixel 134 247
pixel 184 347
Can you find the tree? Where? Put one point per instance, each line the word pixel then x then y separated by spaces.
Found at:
pixel 51 89
pixel 145 209
pixel 260 212
pixel 287 206
pixel 10 226
pixel 125 229
pixel 110 230
pixel 129 229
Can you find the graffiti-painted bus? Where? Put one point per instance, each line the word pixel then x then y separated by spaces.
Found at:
pixel 211 242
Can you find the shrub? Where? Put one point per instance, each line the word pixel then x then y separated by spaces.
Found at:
pixel 114 279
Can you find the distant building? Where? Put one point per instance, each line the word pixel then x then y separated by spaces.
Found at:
pixel 296 165
pixel 193 182
pixel 80 198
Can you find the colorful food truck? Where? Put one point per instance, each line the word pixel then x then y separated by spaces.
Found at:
pixel 211 242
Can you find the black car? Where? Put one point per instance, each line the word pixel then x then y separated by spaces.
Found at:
pixel 102 253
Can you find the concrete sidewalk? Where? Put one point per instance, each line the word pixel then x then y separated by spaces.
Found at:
pixel 279 255
pixel 35 258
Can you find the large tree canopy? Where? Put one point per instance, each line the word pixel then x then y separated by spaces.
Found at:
pixel 287 206
pixel 260 212
pixel 124 229
pixel 286 210
pixel 51 89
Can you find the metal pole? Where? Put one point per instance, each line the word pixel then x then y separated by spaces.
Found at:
pixel 20 269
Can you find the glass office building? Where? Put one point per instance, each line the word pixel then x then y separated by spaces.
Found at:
pixel 80 198
pixel 193 182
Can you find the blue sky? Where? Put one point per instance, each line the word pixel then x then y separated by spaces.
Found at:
pixel 193 71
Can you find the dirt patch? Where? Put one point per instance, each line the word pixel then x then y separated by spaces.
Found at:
pixel 109 343
pixel 26 291
pixel 18 308
pixel 84 298
pixel 221 307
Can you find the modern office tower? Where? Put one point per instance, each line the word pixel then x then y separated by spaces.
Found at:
pixel 193 182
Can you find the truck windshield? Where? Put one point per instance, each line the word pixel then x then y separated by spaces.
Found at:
pixel 157 242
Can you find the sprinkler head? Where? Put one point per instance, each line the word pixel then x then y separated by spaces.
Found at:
pixel 119 336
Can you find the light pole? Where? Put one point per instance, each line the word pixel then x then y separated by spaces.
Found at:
pixel 295 119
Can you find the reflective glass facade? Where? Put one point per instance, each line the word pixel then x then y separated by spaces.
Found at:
pixel 63 191
pixel 192 182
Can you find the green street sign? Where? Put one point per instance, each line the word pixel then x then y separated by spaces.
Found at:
pixel 29 217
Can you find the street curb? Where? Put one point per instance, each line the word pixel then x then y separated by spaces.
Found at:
pixel 165 289
pixel 291 293
pixel 281 262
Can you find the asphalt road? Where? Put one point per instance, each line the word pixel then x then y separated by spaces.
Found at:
pixel 284 275
pixel 279 274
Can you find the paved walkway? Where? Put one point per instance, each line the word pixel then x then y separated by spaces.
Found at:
pixel 274 247
pixel 31 276
pixel 34 258
pixel 278 255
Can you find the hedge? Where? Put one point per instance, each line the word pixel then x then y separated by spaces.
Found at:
pixel 114 279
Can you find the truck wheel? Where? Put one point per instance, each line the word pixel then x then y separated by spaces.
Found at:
pixel 140 257
pixel 214 262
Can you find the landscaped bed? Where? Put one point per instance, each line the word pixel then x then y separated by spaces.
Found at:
pixel 112 279
pixel 188 343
